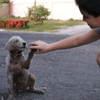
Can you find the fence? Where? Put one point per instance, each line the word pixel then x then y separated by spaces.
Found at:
pixel 60 9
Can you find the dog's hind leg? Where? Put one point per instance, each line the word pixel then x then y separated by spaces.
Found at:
pixel 31 85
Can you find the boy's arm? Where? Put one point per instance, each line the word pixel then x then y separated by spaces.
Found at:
pixel 73 41
pixel 77 40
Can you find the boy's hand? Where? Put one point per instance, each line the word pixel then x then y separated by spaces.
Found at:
pixel 39 47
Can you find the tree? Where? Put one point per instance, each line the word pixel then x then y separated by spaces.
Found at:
pixel 37 14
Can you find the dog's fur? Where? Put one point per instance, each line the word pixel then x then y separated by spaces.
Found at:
pixel 18 76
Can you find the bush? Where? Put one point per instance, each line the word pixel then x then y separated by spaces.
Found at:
pixel 14 23
pixel 37 14
pixel 4 1
pixel 2 23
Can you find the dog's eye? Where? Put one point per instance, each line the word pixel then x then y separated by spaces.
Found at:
pixel 16 41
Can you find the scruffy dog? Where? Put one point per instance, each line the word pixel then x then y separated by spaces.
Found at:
pixel 18 76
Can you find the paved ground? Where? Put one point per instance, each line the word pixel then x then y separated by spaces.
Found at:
pixel 79 29
pixel 71 74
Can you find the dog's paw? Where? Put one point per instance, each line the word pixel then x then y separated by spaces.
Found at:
pixel 33 50
pixel 37 91
pixel 40 92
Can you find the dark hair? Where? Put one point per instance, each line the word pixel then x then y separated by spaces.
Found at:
pixel 92 7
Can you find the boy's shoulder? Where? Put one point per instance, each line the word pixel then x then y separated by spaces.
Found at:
pixel 98 29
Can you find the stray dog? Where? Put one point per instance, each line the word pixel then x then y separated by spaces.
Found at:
pixel 18 76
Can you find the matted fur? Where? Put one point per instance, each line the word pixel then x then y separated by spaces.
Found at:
pixel 18 75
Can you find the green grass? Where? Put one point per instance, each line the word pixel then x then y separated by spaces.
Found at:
pixel 49 25
pixel 52 25
pixel 9 18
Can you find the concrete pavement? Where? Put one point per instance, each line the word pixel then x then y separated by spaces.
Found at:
pixel 71 74
pixel 79 29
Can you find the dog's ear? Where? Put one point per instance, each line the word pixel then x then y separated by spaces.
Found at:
pixel 8 46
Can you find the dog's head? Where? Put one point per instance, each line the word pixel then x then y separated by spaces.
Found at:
pixel 16 43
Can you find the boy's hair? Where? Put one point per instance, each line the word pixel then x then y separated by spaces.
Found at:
pixel 92 7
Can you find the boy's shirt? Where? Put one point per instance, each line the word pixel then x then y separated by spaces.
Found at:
pixel 98 29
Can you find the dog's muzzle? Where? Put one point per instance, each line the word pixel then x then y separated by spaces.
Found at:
pixel 24 44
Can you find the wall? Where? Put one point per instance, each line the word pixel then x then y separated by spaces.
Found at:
pixel 60 9
pixel 4 10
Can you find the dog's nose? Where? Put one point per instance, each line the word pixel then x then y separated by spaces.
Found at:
pixel 24 44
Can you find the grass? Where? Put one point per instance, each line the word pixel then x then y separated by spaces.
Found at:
pixel 9 18
pixel 53 24
pixel 49 25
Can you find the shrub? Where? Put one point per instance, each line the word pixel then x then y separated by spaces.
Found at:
pixel 24 23
pixel 4 1
pixel 37 14
pixel 9 23
pixel 2 23
pixel 14 23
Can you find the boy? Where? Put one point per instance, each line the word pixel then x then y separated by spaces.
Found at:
pixel 90 9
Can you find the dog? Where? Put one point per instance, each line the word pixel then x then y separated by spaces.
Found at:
pixel 18 76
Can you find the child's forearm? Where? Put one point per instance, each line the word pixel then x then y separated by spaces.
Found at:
pixel 64 44
pixel 75 41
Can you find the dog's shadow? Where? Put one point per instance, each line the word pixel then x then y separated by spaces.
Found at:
pixel 22 95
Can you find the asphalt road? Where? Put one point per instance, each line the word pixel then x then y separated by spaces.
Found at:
pixel 71 74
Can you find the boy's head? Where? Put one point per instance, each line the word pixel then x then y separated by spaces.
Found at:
pixel 92 7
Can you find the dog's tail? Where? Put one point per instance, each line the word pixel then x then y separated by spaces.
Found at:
pixel 1 98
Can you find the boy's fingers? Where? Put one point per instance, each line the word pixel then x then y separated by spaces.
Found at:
pixel 35 43
pixel 34 47
pixel 37 52
pixel 32 43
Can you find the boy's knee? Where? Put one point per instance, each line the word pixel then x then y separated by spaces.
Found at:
pixel 98 58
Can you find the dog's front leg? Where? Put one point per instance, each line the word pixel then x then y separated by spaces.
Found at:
pixel 10 86
pixel 27 62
